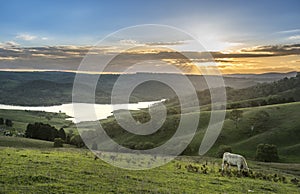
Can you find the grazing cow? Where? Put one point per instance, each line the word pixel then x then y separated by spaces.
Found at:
pixel 234 160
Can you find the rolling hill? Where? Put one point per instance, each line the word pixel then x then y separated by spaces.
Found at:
pixel 281 127
pixel 53 88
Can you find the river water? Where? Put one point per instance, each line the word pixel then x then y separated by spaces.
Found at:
pixel 83 110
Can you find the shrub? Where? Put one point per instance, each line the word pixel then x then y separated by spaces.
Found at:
pixel 41 131
pixel 130 145
pixel 148 145
pixel 58 142
pixel 236 115
pixel 8 123
pixel 266 153
pixel 189 150
pixel 62 134
pixel 77 141
pixel 222 149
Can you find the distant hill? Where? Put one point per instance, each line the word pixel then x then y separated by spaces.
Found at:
pixel 277 92
pixel 274 75
pixel 50 88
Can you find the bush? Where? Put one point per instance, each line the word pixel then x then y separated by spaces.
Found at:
pixel 77 141
pixel 222 149
pixel 62 134
pixel 130 145
pixel 267 153
pixel 8 123
pixel 148 145
pixel 144 146
pixel 58 143
pixel 41 131
pixel 189 150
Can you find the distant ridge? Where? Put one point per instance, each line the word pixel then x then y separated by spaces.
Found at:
pixel 270 75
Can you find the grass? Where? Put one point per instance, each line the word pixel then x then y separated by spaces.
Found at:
pixel 70 170
pixel 21 119
pixel 19 142
pixel 282 128
pixel 34 166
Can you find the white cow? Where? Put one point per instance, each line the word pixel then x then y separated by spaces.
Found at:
pixel 234 160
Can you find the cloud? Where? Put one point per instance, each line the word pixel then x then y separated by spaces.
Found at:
pixel 289 31
pixel 128 42
pixel 9 44
pixel 11 48
pixel 69 57
pixel 274 50
pixel 165 43
pixel 296 37
pixel 26 37
pixel 7 58
pixel 139 43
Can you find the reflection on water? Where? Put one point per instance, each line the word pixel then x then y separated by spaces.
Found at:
pixel 102 111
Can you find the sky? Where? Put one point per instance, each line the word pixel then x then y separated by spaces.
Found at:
pixel 220 26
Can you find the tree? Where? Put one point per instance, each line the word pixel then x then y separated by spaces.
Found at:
pixel 41 131
pixel 58 142
pixel 69 136
pixel 1 121
pixel 8 123
pixel 29 133
pixel 222 149
pixel 235 115
pixel 259 120
pixel 266 153
pixel 77 140
pixel 62 134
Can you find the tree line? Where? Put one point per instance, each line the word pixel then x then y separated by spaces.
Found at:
pixel 47 132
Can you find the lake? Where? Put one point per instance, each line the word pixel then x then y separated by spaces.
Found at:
pixel 86 113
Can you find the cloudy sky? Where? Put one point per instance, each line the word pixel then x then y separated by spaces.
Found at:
pixel 243 36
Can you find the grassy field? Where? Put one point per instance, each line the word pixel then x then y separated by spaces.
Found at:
pixel 68 170
pixel 22 118
pixel 282 128
pixel 34 166
pixel 20 142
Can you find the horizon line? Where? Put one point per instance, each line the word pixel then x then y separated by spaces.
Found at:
pixel 131 73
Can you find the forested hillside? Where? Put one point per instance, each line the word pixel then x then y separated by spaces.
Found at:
pixel 51 88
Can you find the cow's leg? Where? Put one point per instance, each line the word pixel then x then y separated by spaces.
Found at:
pixel 239 167
pixel 222 165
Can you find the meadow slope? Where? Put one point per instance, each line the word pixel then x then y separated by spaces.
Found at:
pixel 75 171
